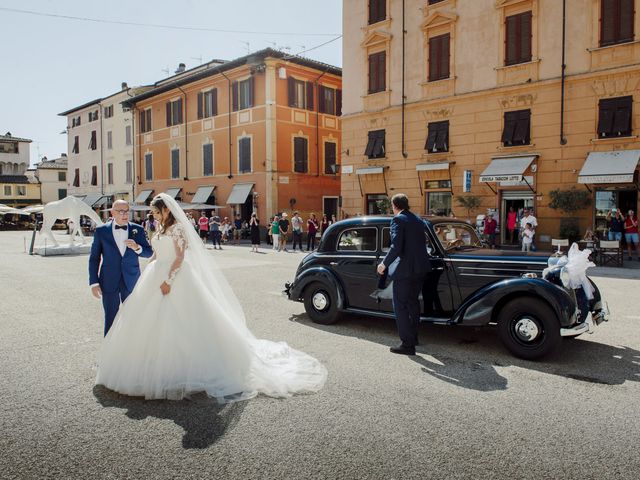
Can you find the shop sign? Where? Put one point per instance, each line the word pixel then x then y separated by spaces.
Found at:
pixel 528 178
pixel 606 179
pixel 500 178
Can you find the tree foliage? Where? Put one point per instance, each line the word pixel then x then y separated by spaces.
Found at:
pixel 468 202
pixel 569 200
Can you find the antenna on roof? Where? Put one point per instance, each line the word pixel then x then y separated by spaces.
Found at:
pixel 197 58
pixel 166 71
pixel 248 47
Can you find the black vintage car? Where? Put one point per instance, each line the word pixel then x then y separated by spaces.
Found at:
pixel 469 284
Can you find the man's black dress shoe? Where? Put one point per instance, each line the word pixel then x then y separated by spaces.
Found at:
pixel 403 350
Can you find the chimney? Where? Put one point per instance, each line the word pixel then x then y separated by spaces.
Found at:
pixel 124 85
pixel 8 134
pixel 44 159
pixel 63 155
pixel 181 68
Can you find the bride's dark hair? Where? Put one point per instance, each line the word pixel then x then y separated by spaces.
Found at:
pixel 158 203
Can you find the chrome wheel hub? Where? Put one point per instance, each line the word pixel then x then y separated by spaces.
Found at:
pixel 320 301
pixel 527 329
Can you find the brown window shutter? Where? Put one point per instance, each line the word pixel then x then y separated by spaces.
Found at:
pixel 200 97
pixel 511 40
pixel 605 118
pixel 321 101
pixel 76 144
pixel 214 100
pixel 622 119
pixel 509 127
pixel 310 96
pixel 525 37
pixel 371 141
pixel 76 178
pixel 430 144
pixel 168 114
pixel 521 135
pixel 94 175
pixel 338 103
pixel 291 91
pixel 627 11
pixel 180 115
pixel 142 129
pixel 234 90
pixel 444 60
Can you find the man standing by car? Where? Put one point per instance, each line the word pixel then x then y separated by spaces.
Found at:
pixel 408 262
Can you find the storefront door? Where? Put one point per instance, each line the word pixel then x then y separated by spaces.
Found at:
pixel 513 201
pixel 606 201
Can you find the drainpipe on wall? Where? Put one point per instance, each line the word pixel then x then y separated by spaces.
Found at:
pixel 101 152
pixel 186 135
pixel 563 140
pixel 229 93
pixel 318 122
pixel 133 150
pixel 404 33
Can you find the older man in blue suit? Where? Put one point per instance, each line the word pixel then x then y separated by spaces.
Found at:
pixel 406 263
pixel 113 264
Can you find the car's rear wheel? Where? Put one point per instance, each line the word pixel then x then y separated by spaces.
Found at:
pixel 529 329
pixel 321 303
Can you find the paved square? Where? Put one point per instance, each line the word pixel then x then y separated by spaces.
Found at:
pixel 462 408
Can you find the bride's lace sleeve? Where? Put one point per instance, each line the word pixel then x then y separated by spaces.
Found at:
pixel 177 234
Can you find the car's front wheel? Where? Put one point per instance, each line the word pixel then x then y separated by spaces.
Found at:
pixel 321 303
pixel 529 329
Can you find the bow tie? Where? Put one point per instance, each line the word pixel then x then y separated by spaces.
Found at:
pixel 123 227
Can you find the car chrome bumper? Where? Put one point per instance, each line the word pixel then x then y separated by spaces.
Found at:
pixel 287 289
pixel 589 325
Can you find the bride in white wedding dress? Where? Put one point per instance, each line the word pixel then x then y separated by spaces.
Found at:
pixel 182 330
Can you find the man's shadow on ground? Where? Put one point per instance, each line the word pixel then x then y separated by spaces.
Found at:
pixel 203 419
pixel 467 357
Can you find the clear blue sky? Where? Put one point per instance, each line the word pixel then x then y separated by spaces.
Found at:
pixel 51 64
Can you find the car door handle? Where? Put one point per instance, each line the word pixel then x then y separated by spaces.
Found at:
pixel 439 268
pixel 333 264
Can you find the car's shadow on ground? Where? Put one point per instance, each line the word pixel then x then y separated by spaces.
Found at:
pixel 468 357
pixel 203 419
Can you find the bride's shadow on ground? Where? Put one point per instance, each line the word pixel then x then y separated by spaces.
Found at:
pixel 467 357
pixel 203 419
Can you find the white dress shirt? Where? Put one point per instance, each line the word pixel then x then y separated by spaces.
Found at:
pixel 120 235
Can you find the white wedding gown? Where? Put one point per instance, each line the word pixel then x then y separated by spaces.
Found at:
pixel 168 346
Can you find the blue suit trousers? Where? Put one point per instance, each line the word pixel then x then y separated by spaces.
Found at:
pixel 111 303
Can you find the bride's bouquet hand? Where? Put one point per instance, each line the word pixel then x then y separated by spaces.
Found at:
pixel 165 288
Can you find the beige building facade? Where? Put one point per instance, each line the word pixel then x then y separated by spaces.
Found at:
pixel 488 109
pixel 18 186
pixel 52 175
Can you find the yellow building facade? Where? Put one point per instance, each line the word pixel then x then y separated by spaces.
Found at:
pixel 488 109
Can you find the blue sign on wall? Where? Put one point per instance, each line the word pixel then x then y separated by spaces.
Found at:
pixel 466 185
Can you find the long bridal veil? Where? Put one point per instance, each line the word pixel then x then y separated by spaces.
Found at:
pixel 275 368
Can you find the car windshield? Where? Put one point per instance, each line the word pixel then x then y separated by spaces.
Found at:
pixel 457 236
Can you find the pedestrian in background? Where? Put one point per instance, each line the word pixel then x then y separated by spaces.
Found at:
pixel 254 227
pixel 512 220
pixel 214 231
pixel 283 223
pixel 527 237
pixel 226 229
pixel 324 224
pixel 203 226
pixel 528 218
pixel 296 227
pixel 490 226
pixel 631 233
pixel 237 229
pixel 616 224
pixel 312 230
pixel 275 232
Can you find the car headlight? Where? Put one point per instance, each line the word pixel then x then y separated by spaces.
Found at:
pixel 565 277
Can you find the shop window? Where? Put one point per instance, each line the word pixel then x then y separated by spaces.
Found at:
pixel 439 57
pixel 377 72
pixel 517 126
pixel 616 21
pixel 518 39
pixel 439 203
pixel 372 203
pixel 438 137
pixel 376 144
pixel 614 118
pixel 300 155
pixel 377 11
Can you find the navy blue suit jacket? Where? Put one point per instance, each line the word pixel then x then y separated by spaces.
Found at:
pixel 107 266
pixel 407 257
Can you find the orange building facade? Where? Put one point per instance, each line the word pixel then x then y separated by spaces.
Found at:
pixel 260 133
